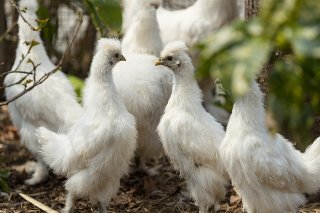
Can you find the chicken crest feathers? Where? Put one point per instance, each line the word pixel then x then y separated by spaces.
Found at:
pixel 174 47
pixel 108 43
pixel 31 5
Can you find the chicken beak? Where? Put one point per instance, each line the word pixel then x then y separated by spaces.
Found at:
pixel 122 58
pixel 159 62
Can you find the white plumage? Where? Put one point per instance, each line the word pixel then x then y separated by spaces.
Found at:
pixel 193 24
pixel 143 35
pixel 52 104
pixel 190 136
pixel 197 21
pixel 267 171
pixel 144 88
pixel 96 151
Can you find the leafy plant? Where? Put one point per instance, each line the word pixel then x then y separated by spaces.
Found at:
pixel 105 14
pixel 237 53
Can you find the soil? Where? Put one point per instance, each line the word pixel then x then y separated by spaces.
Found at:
pixel 139 193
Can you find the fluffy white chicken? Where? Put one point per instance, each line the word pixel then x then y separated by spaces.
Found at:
pixel 267 171
pixel 195 22
pixel 143 35
pixel 191 137
pixel 97 150
pixel 144 88
pixel 52 104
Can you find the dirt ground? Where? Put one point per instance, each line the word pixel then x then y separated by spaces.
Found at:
pixel 165 193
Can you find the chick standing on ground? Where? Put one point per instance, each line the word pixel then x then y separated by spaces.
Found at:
pixel 52 104
pixel 190 136
pixel 144 88
pixel 96 152
pixel 268 173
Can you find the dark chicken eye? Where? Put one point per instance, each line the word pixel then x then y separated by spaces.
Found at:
pixel 154 5
pixel 116 55
pixel 169 58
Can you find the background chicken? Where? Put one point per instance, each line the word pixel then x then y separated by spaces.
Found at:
pixel 267 171
pixel 144 88
pixel 197 21
pixel 52 104
pixel 190 136
pixel 96 152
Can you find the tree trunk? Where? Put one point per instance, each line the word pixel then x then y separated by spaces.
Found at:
pixel 251 8
pixel 3 48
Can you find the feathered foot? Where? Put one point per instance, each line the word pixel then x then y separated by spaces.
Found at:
pixel 216 206
pixel 154 171
pixel 30 167
pixel 203 208
pixel 69 203
pixel 40 174
pixel 102 207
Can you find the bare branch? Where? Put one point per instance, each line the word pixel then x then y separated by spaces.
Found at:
pixel 14 4
pixel 57 68
pixel 15 71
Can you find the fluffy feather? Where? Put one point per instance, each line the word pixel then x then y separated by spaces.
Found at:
pixel 130 9
pixel 144 88
pixel 52 104
pixel 96 151
pixel 143 26
pixel 267 171
pixel 195 22
pixel 190 136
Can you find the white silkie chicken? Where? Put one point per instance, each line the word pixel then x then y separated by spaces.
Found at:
pixel 191 137
pixel 144 88
pixel 193 24
pixel 143 35
pixel 52 104
pixel 97 150
pixel 197 21
pixel 266 170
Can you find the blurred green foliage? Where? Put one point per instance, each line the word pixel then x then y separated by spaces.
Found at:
pixel 237 53
pixel 4 175
pixel 77 84
pixel 105 14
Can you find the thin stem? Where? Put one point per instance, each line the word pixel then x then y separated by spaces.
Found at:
pixel 14 4
pixel 13 71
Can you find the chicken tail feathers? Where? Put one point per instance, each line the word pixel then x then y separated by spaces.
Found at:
pixel 312 160
pixel 54 149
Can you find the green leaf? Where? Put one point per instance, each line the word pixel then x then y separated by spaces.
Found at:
pixel 4 174
pixel 105 14
pixel 31 44
pixel 4 185
pixel 26 82
pixel 109 12
pixel 42 23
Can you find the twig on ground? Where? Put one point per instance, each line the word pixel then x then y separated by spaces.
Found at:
pixel 38 204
